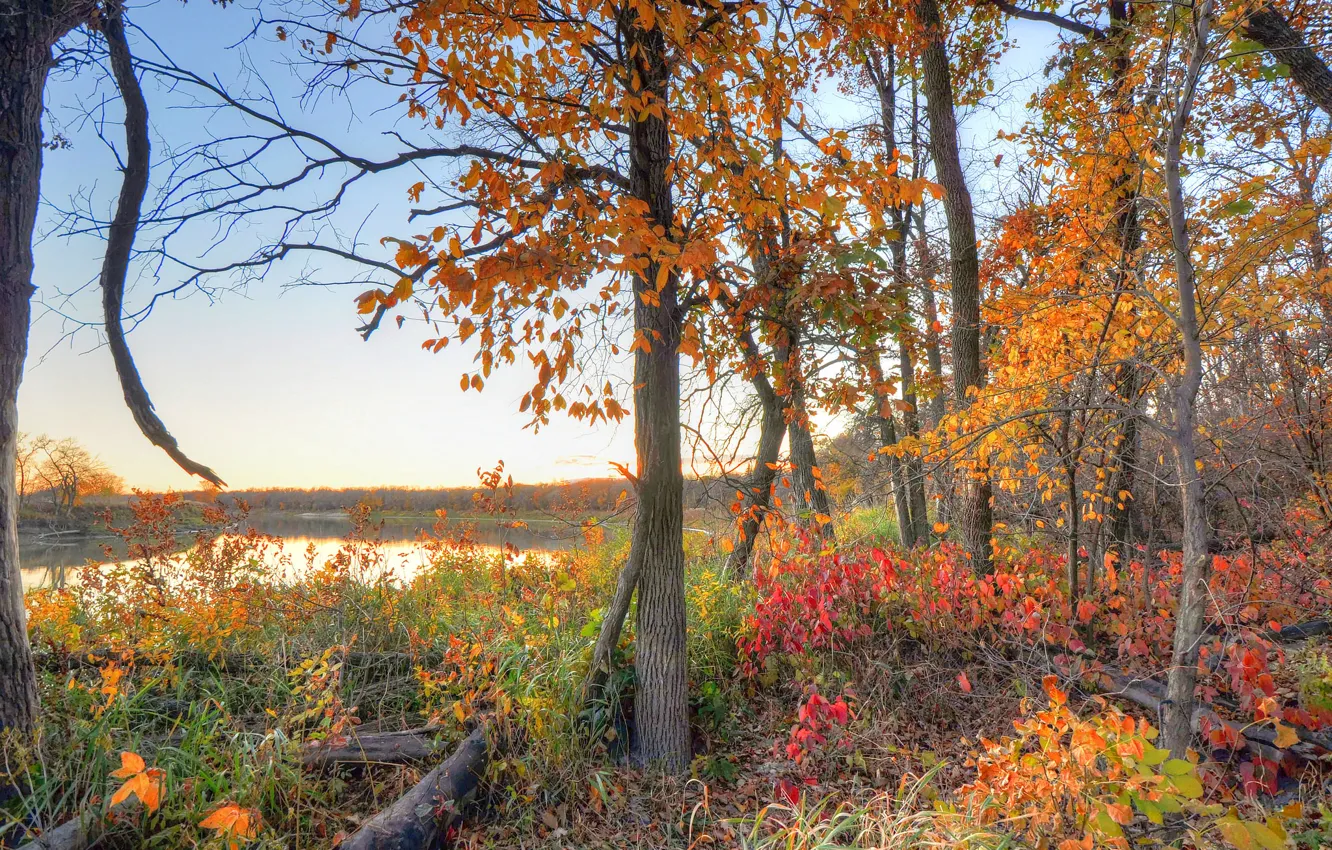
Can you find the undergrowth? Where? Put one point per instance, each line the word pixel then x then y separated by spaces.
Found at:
pixel 855 696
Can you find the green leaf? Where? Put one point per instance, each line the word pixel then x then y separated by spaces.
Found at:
pixel 1177 767
pixel 1152 811
pixel 1106 825
pixel 1241 207
pixel 1189 786
pixel 1170 804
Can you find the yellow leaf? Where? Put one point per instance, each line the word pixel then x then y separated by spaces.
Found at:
pixel 1286 736
pixel 1265 837
pixel 1235 833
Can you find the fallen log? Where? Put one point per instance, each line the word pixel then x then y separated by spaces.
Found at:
pixel 1258 739
pixel 1301 631
pixel 420 816
pixel 407 746
pixel 1149 694
pixel 71 835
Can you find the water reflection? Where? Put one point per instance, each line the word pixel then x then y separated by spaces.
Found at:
pixel 47 561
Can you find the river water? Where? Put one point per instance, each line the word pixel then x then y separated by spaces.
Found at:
pixel 49 560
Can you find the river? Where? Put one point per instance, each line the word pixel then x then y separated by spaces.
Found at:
pixel 48 560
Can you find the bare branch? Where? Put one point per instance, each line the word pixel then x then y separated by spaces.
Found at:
pixel 120 243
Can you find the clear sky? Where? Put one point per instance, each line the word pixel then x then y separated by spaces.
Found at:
pixel 272 386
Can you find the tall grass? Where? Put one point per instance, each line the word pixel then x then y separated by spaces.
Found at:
pixel 221 663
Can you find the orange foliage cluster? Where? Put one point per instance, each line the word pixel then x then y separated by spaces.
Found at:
pixel 208 598
pixel 1082 781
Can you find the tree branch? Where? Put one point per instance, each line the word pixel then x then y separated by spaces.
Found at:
pixel 1049 18
pixel 120 243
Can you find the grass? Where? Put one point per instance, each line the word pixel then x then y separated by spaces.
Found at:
pixel 222 663
pixel 873 525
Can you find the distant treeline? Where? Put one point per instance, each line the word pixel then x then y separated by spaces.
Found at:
pixel 589 495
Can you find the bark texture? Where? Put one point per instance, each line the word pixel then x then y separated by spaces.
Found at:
pixel 975 512
pixel 1270 28
pixel 661 733
pixel 1177 729
pixel 758 489
pixel 28 31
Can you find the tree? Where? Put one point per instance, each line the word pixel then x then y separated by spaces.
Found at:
pixel 27 463
pixel 597 128
pixel 29 31
pixel 67 471
pixel 976 513
pixel 1177 728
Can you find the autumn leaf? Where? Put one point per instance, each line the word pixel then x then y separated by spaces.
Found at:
pixel 234 823
pixel 130 764
pixel 963 682
pixel 1286 736
pixel 140 781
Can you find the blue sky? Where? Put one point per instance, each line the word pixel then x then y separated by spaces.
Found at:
pixel 272 386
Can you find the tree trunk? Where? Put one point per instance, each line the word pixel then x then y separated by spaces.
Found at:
pixel 897 477
pixel 933 357
pixel 758 489
pixel 1072 558
pixel 908 473
pixel 913 466
pixel 1269 27
pixel 1124 462
pixel 906 529
pixel 811 500
pixel 27 33
pixel 661 735
pixel 1189 616
pixel 1116 538
pixel 975 512
pixel 806 479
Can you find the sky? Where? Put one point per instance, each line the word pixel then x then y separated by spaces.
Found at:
pixel 271 386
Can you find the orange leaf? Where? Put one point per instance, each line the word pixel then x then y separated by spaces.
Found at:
pixel 130 764
pixel 147 786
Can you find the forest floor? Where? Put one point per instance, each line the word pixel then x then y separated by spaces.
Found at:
pixel 860 697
